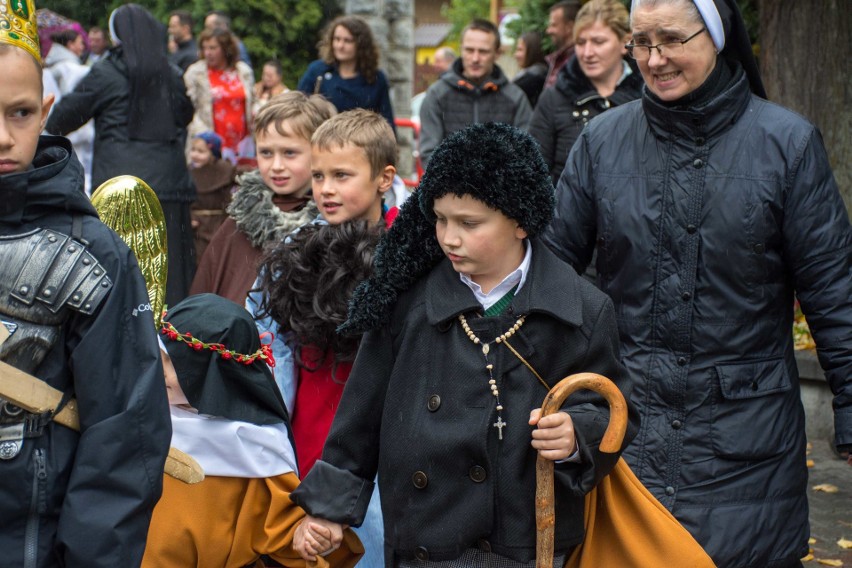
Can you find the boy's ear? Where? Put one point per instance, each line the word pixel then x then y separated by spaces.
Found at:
pixel 386 178
pixel 46 103
pixel 520 233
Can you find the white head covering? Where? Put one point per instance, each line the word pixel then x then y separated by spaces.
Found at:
pixel 726 27
pixel 712 20
pixel 113 36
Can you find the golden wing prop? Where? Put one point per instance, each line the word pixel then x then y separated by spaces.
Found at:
pixel 130 207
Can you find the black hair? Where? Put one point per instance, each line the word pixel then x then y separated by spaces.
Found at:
pixel 275 64
pixel 569 9
pixel 483 25
pixel 307 283
pixel 184 17
pixel 64 37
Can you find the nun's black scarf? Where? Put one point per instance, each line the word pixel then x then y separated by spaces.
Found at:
pixel 143 41
pixel 738 44
pixel 214 385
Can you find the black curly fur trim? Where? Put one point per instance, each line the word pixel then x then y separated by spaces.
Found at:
pixel 497 164
pixel 308 280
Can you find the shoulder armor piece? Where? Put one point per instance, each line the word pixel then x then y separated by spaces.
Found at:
pixel 59 272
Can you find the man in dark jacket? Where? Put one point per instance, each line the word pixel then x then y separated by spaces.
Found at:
pixel 560 28
pixel 180 29
pixel 474 90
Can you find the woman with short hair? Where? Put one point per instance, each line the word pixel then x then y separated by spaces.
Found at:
pixel 710 208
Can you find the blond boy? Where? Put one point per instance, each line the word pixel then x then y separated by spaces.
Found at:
pixel 353 163
pixel 271 201
pixel 75 305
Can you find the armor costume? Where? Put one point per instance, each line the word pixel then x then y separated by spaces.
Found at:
pixel 44 275
pixel 76 305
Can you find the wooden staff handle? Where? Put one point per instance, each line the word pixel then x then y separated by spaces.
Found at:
pixel 545 516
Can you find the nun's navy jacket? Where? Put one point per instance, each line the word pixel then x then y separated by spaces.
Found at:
pixel 707 221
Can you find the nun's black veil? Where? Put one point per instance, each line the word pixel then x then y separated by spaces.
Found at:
pixel 143 44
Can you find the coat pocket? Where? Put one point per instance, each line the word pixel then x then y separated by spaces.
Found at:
pixel 750 415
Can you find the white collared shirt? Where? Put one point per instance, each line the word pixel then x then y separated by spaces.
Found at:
pixel 516 278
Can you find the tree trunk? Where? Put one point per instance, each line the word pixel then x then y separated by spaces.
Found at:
pixel 805 64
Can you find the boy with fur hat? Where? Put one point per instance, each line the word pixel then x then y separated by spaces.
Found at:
pixel 227 414
pixel 305 283
pixel 76 317
pixel 271 202
pixel 442 403
pixel 214 183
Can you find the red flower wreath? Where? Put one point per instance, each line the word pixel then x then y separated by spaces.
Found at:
pixel 264 353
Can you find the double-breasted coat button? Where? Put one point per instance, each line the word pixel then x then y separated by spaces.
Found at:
pixel 698 164
pixel 759 248
pixel 681 361
pixel 421 553
pixel 477 473
pixel 434 403
pixel 670 490
pixel 484 545
pixel 420 480
pixel 676 424
pixel 691 229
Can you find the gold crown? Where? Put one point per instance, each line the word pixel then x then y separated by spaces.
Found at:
pixel 18 26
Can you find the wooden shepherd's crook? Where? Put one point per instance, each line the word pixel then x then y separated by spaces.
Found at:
pixel 544 506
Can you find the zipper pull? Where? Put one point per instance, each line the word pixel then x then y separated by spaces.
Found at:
pixel 41 466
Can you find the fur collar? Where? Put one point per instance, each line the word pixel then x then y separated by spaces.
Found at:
pixel 259 218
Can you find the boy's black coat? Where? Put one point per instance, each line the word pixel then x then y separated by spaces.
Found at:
pixel 388 421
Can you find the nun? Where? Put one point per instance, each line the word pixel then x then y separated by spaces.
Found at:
pixel 141 110
pixel 227 414
pixel 711 208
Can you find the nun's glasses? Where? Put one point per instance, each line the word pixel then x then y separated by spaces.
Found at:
pixel 642 52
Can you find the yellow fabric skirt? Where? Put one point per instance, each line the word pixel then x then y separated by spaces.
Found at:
pixel 229 522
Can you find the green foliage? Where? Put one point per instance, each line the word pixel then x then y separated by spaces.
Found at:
pixel 533 18
pixel 284 29
pixel 460 12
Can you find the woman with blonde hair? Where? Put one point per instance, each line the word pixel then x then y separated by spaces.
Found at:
pixel 595 79
pixel 347 73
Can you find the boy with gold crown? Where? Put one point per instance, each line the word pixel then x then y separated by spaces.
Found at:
pixel 76 321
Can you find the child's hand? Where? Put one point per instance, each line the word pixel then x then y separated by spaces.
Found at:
pixel 315 536
pixel 554 438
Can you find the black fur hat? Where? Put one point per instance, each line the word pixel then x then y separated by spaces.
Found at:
pixel 495 163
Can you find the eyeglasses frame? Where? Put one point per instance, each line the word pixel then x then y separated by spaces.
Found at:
pixel 629 47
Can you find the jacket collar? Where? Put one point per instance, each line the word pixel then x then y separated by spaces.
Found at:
pixel 573 83
pixel 447 296
pixel 707 120
pixel 455 77
pixel 54 184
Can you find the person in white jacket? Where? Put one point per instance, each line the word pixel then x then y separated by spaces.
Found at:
pixel 63 64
